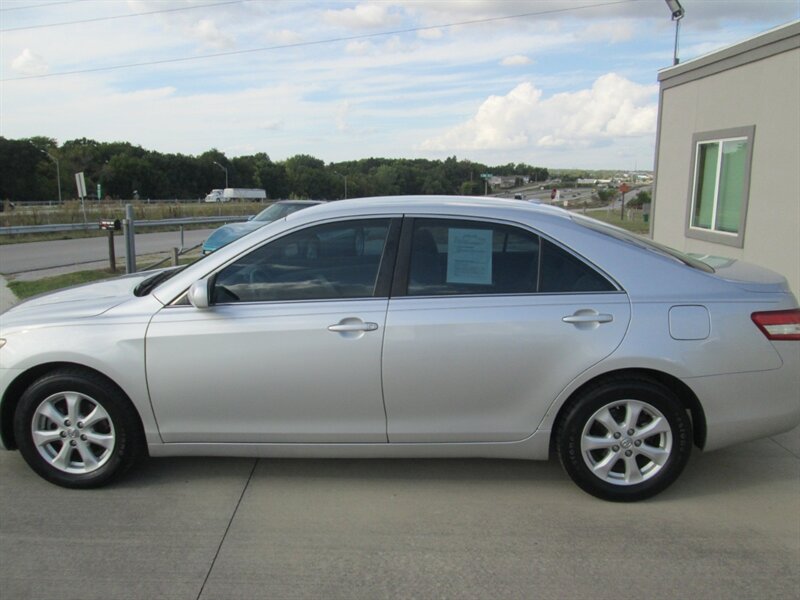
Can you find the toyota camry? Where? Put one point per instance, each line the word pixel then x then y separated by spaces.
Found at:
pixel 409 327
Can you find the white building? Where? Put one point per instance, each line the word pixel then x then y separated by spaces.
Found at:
pixel 728 154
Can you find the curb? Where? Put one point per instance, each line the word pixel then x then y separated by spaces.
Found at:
pixel 7 297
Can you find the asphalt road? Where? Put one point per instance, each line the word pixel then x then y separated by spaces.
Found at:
pixel 244 528
pixel 38 256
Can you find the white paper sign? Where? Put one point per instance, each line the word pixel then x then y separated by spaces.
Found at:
pixel 469 256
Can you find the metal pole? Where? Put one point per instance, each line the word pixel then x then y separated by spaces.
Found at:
pixel 226 172
pixel 58 168
pixel 345 183
pixel 112 259
pixel 675 55
pixel 130 245
pixel 58 180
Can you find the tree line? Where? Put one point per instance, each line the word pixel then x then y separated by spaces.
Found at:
pixel 124 171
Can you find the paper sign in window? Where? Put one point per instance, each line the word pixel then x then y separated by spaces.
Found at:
pixel 469 256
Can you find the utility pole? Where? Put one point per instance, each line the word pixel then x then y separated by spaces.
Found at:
pixel 58 169
pixel 345 183
pixel 226 172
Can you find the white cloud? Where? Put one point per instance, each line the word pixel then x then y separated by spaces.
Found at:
pixel 273 125
pixel 515 60
pixel 208 33
pixel 402 88
pixel 29 63
pixel 363 16
pixel 284 36
pixel 615 31
pixel 341 116
pixel 613 108
pixel 430 34
pixel 359 47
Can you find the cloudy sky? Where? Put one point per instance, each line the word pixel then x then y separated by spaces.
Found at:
pixel 555 83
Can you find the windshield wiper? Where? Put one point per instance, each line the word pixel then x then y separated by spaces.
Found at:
pixel 149 284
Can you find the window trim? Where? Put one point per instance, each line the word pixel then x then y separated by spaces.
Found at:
pixel 721 135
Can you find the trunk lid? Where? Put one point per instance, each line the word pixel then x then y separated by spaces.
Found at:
pixel 746 275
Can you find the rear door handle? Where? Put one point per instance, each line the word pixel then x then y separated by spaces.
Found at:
pixel 601 318
pixel 347 327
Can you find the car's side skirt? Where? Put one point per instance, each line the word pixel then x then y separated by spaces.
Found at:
pixel 535 447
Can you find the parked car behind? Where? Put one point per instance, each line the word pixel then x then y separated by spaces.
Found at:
pixel 233 231
pixel 409 327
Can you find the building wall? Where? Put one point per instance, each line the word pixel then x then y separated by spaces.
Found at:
pixel 764 93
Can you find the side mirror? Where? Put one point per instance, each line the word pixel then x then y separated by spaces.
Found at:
pixel 199 294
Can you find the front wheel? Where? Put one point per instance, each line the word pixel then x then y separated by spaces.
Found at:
pixel 76 430
pixel 625 440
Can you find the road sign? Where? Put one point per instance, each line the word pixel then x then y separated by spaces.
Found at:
pixel 81 183
pixel 624 188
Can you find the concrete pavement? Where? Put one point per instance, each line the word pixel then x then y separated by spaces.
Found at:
pixel 245 528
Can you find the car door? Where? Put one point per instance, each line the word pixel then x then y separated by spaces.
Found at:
pixel 486 325
pixel 288 351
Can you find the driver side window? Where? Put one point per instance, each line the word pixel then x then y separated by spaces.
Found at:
pixel 332 261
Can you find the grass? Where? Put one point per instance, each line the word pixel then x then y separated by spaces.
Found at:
pixel 26 289
pixel 635 224
pixel 71 212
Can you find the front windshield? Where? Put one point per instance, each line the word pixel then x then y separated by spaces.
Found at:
pixel 275 212
pixel 648 244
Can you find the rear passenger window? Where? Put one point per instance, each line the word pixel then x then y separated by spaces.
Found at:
pixel 466 257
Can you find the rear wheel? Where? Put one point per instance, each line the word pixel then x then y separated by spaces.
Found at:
pixel 625 440
pixel 76 430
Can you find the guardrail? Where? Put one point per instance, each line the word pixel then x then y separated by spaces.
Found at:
pixel 56 228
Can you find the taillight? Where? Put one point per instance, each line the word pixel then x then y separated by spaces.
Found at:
pixel 779 324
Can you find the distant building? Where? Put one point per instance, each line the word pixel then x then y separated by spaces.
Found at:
pixel 728 154
pixel 503 182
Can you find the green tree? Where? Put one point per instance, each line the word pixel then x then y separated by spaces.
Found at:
pixel 606 195
pixel 642 197
pixel 307 178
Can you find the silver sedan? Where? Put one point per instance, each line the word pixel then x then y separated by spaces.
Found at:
pixel 409 327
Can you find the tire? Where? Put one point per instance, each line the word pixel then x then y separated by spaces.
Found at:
pixel 77 430
pixel 625 440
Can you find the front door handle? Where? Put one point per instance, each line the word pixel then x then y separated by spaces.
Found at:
pixel 592 318
pixel 350 327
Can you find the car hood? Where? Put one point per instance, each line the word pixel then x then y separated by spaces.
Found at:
pixel 80 301
pixel 231 231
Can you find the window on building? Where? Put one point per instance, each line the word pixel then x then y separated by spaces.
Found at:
pixel 719 194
